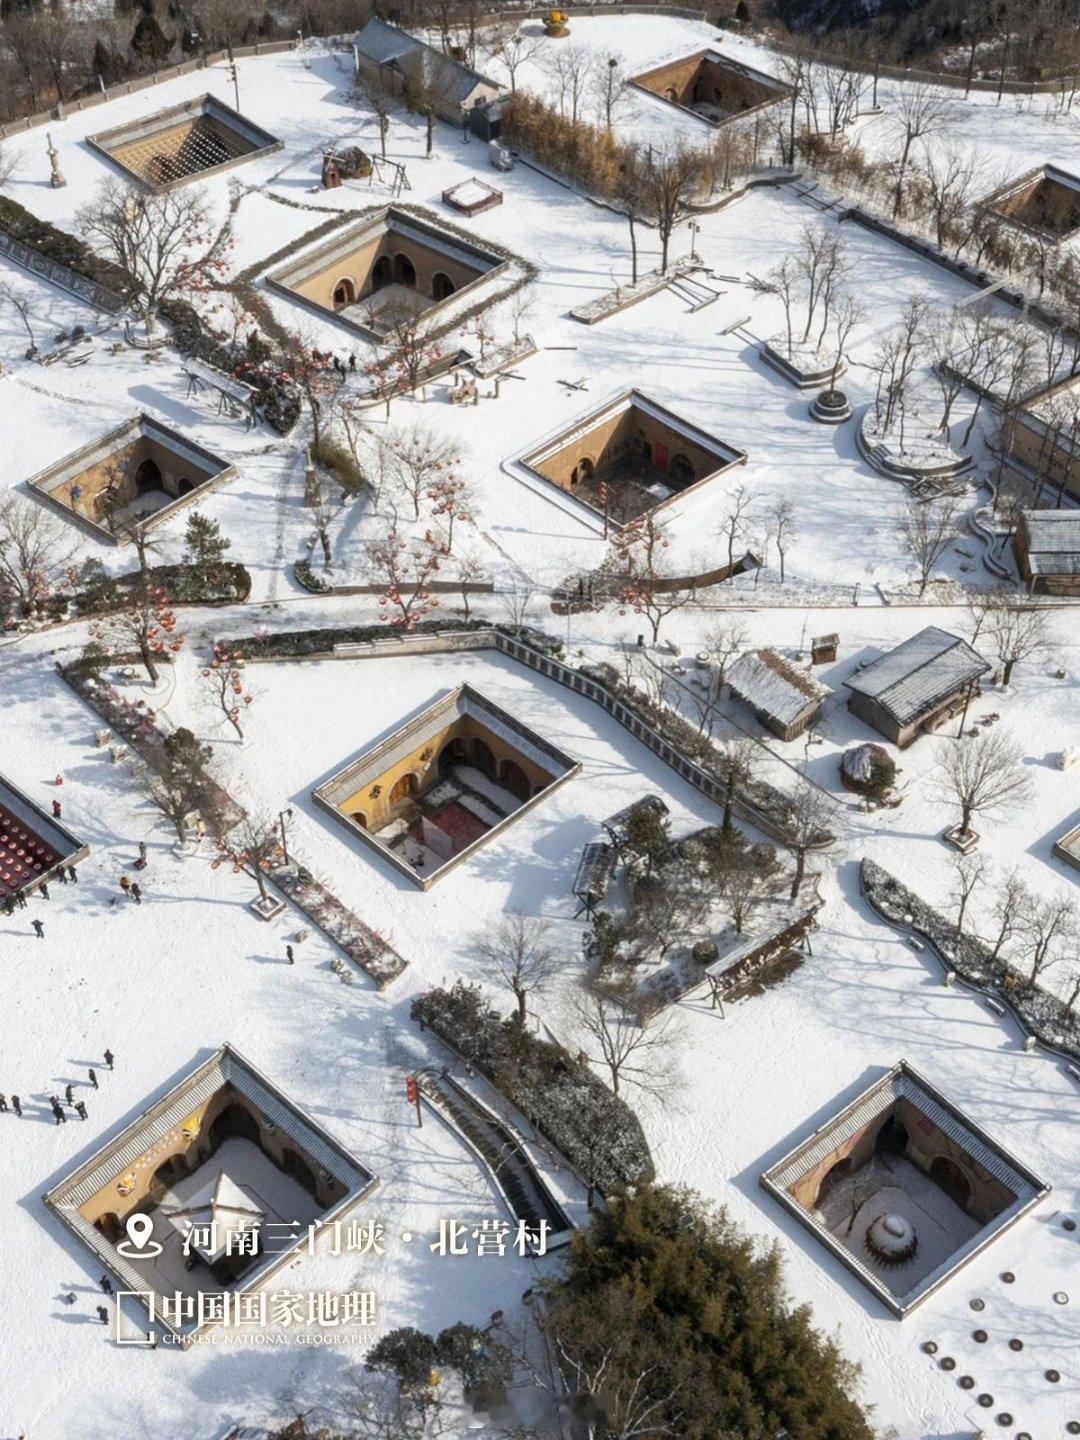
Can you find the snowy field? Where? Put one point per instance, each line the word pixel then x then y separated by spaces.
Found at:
pixel 164 983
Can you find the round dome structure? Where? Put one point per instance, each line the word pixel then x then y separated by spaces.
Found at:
pixel 892 1240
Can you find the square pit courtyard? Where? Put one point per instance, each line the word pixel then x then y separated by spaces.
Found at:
pixel 186 142
pixel 713 86
pixel 232 1177
pixel 383 269
pixel 903 1188
pixel 141 473
pixel 1044 201
pixel 444 784
pixel 630 456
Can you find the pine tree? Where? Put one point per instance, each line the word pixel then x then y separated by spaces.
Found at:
pixel 204 544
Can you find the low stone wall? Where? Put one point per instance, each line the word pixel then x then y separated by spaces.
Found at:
pixel 142 82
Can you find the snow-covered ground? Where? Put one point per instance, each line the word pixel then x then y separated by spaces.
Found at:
pixel 165 982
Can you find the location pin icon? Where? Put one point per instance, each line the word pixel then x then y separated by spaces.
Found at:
pixel 139 1229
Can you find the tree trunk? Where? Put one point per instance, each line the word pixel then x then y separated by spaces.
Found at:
pixel 148 662
pixel 633 252
pixel 1007 673
pixel 965 818
pixel 800 870
pixel 521 1012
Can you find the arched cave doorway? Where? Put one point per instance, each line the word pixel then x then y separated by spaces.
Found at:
pixel 344 294
pixel 382 272
pixel 168 1172
pixel 513 777
pixel 296 1166
pixel 680 471
pixel 402 788
pixel 642 448
pixel 109 1226
pixel 482 758
pixel 404 270
pixel 454 752
pixel 148 477
pixel 234 1122
pixel 442 287
pixel 949 1177
pixel 840 1171
pixel 892 1138
pixel 359 818
pixel 583 472
pixel 671 94
pixel 184 486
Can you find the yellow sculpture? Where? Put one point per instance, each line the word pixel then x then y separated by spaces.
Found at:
pixel 555 24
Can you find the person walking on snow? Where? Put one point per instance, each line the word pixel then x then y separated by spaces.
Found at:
pixel 109 1057
pixel 80 1109
pixel 103 1314
pixel 44 890
pixel 106 1284
pixel 125 884
pixel 93 1079
pixel 136 893
pixel 9 905
pixel 69 1093
pixel 59 1117
pixel 289 955
pixel 39 929
pixel 20 899
pixel 142 851
pixel 57 809
pixel 16 1105
pixel 3 1104
pixel 72 876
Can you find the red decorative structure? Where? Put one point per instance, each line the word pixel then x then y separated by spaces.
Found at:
pixel 32 845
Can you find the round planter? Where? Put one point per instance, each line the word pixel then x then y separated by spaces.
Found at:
pixel 831 407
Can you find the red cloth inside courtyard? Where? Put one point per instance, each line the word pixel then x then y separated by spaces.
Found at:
pixel 460 825
pixel 24 856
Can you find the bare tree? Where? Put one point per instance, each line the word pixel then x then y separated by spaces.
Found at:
pixel 782 518
pixel 570 68
pixel 20 303
pixel 419 461
pixel 35 548
pixel 648 586
pixel 809 827
pixel 375 89
pixel 736 759
pixel 514 47
pixel 928 528
pixel 726 638
pixel 252 847
pixel 223 685
pixel 517 953
pixel 609 81
pixel 921 112
pixel 952 177
pixel 167 244
pixel 671 183
pixel 1017 632
pixel 1052 922
pixel 633 1052
pixel 984 776
pixel 737 521
pixel 1011 909
pixel 968 874
pixel 517 603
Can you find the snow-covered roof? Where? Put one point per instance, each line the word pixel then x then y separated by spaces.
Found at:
pixel 1053 541
pixel 767 682
pixel 383 44
pixel 218 1210
pixel 918 673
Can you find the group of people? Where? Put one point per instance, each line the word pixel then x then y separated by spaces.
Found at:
pixel 79 1106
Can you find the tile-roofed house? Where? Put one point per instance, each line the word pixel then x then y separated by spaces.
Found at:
pixel 1047 544
pixel 783 698
pixel 411 65
pixel 917 685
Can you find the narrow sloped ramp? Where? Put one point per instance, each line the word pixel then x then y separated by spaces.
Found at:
pixel 518 1180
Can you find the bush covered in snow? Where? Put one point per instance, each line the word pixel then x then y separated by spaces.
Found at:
pixel 597 1132
pixel 222 584
pixel 868 769
pixel 1044 1015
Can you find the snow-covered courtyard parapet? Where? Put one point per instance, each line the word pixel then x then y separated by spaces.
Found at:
pixel 222 1112
pixel 902 1153
pixel 1042 1014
